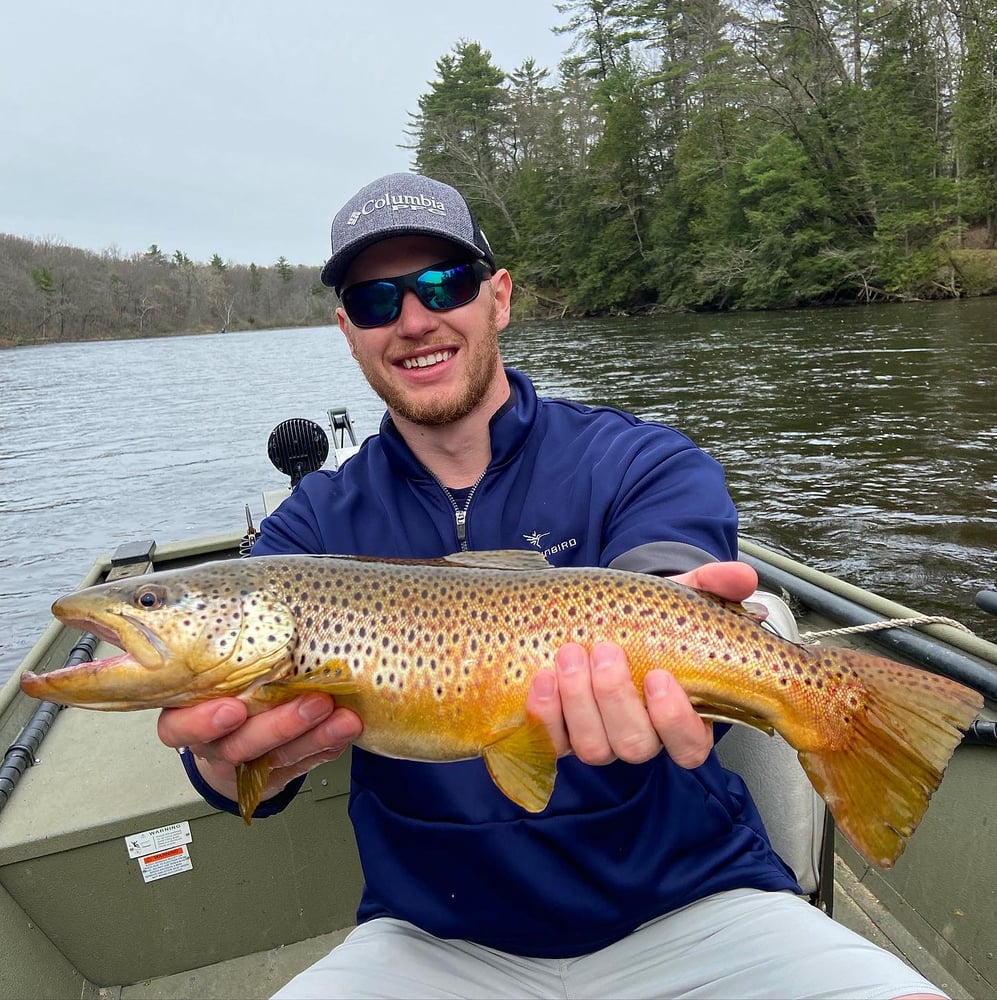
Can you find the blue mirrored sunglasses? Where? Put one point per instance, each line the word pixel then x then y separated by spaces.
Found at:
pixel 438 287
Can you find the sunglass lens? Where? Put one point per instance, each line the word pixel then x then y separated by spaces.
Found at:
pixel 372 304
pixel 447 288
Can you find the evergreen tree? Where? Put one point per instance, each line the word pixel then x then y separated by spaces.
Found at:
pixel 976 118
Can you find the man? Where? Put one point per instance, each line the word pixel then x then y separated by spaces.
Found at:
pixel 650 872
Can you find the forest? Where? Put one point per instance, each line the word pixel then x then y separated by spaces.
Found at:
pixel 684 154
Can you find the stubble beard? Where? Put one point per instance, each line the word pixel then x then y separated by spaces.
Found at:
pixel 482 364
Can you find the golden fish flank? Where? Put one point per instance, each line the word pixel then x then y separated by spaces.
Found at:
pixel 437 659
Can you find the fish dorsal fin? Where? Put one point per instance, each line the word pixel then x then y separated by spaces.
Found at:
pixel 510 559
pixel 523 763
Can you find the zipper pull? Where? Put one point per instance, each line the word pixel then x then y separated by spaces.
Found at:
pixel 460 516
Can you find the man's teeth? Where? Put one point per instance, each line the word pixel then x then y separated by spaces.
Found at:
pixel 427 359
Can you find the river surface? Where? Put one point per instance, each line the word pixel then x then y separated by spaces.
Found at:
pixel 863 440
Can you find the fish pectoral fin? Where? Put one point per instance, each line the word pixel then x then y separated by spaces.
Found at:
pixel 510 559
pixel 333 677
pixel 730 713
pixel 523 763
pixel 250 781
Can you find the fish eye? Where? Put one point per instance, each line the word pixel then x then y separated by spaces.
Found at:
pixel 149 598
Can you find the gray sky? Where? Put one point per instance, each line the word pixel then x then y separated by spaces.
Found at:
pixel 217 126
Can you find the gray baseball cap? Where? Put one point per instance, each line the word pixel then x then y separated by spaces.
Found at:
pixel 402 205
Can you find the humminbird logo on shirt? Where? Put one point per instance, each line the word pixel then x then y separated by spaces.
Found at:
pixel 535 538
pixel 398 203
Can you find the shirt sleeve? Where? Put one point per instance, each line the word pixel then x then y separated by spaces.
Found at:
pixel 672 495
pixel 292 529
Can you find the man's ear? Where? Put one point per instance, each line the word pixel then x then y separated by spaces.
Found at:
pixel 344 325
pixel 501 283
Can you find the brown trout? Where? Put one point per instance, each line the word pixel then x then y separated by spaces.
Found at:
pixel 437 657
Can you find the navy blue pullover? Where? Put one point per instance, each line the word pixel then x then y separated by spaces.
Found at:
pixel 618 845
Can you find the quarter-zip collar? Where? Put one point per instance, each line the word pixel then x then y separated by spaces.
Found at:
pixel 461 508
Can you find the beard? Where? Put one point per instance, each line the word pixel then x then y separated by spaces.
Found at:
pixel 482 361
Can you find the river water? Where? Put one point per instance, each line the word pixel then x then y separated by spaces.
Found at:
pixel 863 441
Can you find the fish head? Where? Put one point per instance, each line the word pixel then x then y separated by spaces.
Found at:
pixel 187 635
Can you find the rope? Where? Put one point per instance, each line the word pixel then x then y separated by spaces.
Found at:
pixel 812 637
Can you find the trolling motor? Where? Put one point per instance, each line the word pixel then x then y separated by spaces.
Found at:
pixel 297 447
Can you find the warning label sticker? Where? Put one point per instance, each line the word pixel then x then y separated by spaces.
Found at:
pixel 163 863
pixel 160 839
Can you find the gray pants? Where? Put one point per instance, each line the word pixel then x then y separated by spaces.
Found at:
pixel 737 944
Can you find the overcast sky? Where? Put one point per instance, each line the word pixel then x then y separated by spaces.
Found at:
pixel 217 126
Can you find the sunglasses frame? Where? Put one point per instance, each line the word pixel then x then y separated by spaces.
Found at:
pixel 410 282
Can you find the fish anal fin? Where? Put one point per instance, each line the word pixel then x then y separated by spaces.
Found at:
pixel 250 781
pixel 878 780
pixel 715 712
pixel 334 677
pixel 523 763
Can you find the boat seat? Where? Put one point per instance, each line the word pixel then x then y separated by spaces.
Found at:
pixel 795 817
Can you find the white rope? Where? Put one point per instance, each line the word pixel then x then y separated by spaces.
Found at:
pixel 811 637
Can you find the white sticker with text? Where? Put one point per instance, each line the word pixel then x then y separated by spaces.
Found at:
pixel 160 839
pixel 163 863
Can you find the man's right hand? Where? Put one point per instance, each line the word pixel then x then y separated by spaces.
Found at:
pixel 295 737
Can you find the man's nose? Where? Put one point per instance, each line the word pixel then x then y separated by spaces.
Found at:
pixel 415 319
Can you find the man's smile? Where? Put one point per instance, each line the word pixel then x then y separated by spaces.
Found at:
pixel 428 360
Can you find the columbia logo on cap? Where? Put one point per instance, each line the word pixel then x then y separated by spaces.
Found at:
pixel 396 203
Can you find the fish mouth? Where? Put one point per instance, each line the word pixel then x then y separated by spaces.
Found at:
pixel 131 680
pixel 141 646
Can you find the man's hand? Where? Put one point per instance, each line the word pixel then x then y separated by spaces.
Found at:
pixel 296 737
pixel 591 707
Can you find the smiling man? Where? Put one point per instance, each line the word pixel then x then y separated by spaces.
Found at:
pixel 650 872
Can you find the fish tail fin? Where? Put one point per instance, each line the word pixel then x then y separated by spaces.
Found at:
pixel 523 763
pixel 899 738
pixel 250 781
